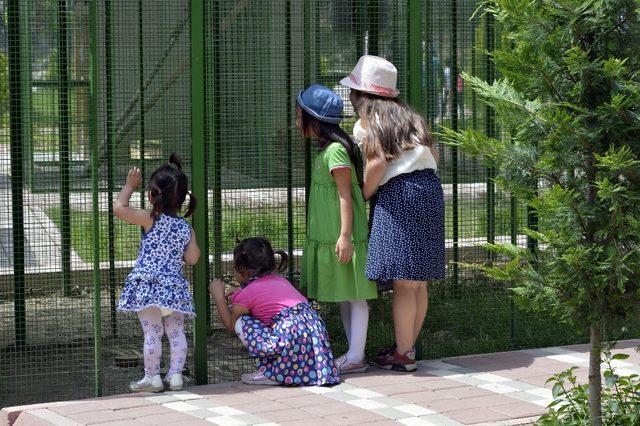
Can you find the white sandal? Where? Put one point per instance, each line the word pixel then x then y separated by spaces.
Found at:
pixel 257 378
pixel 345 367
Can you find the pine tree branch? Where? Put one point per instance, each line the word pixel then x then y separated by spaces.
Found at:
pixel 615 27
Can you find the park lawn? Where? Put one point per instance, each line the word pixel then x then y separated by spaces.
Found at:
pixel 236 223
pixel 240 222
pixel 475 315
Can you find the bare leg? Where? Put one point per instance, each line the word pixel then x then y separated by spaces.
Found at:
pixel 422 304
pixel 404 314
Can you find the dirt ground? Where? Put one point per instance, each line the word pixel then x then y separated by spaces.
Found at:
pixel 57 361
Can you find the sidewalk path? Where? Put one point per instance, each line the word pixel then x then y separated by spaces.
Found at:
pixel 502 388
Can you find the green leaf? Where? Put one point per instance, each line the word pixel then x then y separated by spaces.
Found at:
pixel 615 407
pixel 610 381
pixel 620 356
pixel 557 390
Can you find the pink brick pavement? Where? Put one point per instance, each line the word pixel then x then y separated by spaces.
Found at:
pixel 503 388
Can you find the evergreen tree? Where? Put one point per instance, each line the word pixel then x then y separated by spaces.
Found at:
pixel 568 97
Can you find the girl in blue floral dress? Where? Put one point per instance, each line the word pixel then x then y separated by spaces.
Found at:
pixel 156 289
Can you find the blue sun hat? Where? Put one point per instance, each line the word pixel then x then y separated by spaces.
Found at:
pixel 322 103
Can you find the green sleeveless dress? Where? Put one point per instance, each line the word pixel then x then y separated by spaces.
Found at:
pixel 323 277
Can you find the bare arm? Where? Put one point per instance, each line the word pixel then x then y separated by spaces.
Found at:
pixel 228 316
pixel 344 246
pixel 192 253
pixel 121 207
pixel 373 172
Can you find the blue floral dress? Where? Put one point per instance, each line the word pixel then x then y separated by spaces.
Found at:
pixel 157 278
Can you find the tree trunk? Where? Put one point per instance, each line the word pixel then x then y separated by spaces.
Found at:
pixel 595 380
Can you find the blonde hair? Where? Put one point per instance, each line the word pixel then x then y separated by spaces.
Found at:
pixel 391 126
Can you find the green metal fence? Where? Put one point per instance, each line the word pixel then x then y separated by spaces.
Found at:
pixel 95 87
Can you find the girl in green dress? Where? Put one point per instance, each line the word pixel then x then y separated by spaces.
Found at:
pixel 336 246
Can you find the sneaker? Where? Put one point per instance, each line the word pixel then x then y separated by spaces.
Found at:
pixel 175 383
pixel 257 378
pixel 345 367
pixel 147 384
pixel 399 362
pixel 384 352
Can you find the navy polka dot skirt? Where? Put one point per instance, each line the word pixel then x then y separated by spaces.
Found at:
pixel 407 230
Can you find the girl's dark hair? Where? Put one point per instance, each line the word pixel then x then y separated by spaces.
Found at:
pixel 256 257
pixel 168 187
pixel 329 132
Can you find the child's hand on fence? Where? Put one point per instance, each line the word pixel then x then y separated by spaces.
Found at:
pixel 134 178
pixel 344 249
pixel 216 288
pixel 229 293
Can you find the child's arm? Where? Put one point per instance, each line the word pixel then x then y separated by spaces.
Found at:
pixel 121 207
pixel 192 253
pixel 373 172
pixel 228 316
pixel 344 246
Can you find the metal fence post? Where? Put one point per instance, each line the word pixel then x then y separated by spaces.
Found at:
pixel 214 133
pixel 93 129
pixel 288 136
pixel 199 188
pixel 416 96
pixel 110 138
pixel 64 145
pixel 454 150
pixel 308 48
pixel 374 27
pixel 491 132
pixel 111 141
pixel 16 94
pixel 141 83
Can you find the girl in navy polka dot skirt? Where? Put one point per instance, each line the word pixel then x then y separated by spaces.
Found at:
pixel 406 246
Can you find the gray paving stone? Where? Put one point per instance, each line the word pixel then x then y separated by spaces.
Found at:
pixel 203 403
pixel 201 413
pixel 464 370
pixel 343 387
pixel 440 420
pixel 520 385
pixel 161 399
pixel 388 401
pixel 536 353
pixel 469 380
pixel 391 413
pixel 248 418
pixel 341 396
pixel 524 396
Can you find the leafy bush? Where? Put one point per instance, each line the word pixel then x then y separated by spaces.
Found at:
pixel 620 397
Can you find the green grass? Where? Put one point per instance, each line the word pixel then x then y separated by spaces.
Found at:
pixel 472 217
pixel 126 237
pixel 236 223
pixel 270 222
pixel 477 316
pixel 4 133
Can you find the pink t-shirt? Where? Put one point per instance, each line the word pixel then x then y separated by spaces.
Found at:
pixel 267 296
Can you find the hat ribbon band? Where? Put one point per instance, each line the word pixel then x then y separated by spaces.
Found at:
pixel 373 87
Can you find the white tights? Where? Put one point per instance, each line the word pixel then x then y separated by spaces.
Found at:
pixel 355 319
